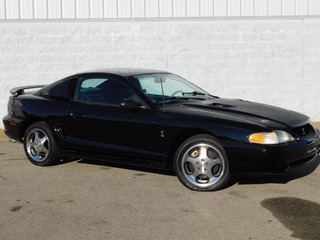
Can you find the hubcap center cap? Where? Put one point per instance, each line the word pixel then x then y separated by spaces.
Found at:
pixel 37 144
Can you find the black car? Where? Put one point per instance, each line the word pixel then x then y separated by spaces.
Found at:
pixel 158 119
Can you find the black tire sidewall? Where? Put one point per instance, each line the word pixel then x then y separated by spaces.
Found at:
pixel 51 158
pixel 203 138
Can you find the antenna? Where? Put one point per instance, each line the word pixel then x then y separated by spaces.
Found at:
pixel 164 105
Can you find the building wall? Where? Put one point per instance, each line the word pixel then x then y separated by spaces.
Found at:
pixel 265 60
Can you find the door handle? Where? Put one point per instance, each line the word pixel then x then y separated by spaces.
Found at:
pixel 77 115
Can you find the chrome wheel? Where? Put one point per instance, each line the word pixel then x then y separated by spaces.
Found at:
pixel 203 165
pixel 37 145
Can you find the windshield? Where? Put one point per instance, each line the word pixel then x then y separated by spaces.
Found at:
pixel 167 87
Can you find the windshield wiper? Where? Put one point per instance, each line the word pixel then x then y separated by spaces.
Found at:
pixel 194 93
pixel 176 98
pixel 183 98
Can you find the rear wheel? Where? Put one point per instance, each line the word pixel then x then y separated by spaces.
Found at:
pixel 39 144
pixel 201 164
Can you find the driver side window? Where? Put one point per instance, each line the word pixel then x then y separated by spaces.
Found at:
pixel 103 90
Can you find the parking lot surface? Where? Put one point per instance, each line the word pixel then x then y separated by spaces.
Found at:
pixel 93 200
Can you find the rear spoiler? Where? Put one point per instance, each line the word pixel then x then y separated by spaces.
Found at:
pixel 20 90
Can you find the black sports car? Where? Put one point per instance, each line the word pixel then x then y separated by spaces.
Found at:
pixel 158 119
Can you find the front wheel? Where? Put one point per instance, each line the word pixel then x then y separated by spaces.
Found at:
pixel 201 164
pixel 39 144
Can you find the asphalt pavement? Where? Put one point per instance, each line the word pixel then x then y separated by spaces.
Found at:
pixel 93 200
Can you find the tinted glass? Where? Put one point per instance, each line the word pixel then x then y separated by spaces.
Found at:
pixel 159 87
pixel 60 89
pixel 103 90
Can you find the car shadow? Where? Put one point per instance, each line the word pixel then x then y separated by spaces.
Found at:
pixel 288 176
pixel 66 160
pixel 248 179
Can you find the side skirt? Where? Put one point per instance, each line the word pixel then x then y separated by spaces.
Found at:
pixel 112 159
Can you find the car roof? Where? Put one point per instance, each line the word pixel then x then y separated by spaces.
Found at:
pixel 125 72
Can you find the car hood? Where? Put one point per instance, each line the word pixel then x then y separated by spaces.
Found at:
pixel 261 113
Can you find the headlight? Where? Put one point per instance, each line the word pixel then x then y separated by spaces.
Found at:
pixel 275 137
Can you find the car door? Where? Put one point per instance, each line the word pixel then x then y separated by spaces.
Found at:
pixel 99 125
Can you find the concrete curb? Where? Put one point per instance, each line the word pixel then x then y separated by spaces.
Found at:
pixel 4 138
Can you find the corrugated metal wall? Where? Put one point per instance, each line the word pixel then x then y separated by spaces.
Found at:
pixel 113 9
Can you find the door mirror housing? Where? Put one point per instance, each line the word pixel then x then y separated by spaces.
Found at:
pixel 131 104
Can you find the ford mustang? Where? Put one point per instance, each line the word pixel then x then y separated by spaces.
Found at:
pixel 157 119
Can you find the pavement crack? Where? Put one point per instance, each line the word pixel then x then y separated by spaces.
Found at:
pixel 15 208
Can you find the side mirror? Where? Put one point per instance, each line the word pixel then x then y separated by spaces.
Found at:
pixel 132 105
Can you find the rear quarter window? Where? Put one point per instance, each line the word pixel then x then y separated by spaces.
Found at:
pixel 60 89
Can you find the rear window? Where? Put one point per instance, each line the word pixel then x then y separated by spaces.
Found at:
pixel 60 89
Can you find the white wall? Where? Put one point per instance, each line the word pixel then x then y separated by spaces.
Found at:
pixel 270 61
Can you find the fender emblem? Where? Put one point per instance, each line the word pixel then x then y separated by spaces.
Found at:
pixel 162 134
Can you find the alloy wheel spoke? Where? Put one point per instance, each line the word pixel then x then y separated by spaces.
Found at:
pixel 37 136
pixel 209 172
pixel 203 153
pixel 43 140
pixel 36 152
pixel 215 161
pixel 43 149
pixel 192 160
pixel 196 172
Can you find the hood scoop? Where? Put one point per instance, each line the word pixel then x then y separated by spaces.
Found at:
pixel 220 105
pixel 258 112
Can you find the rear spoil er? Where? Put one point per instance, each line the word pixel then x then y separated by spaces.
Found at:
pixel 20 90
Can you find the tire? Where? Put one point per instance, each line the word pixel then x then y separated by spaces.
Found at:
pixel 39 144
pixel 201 164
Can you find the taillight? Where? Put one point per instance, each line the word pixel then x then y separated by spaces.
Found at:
pixel 9 107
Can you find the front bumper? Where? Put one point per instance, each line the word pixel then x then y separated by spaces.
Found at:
pixel 272 159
